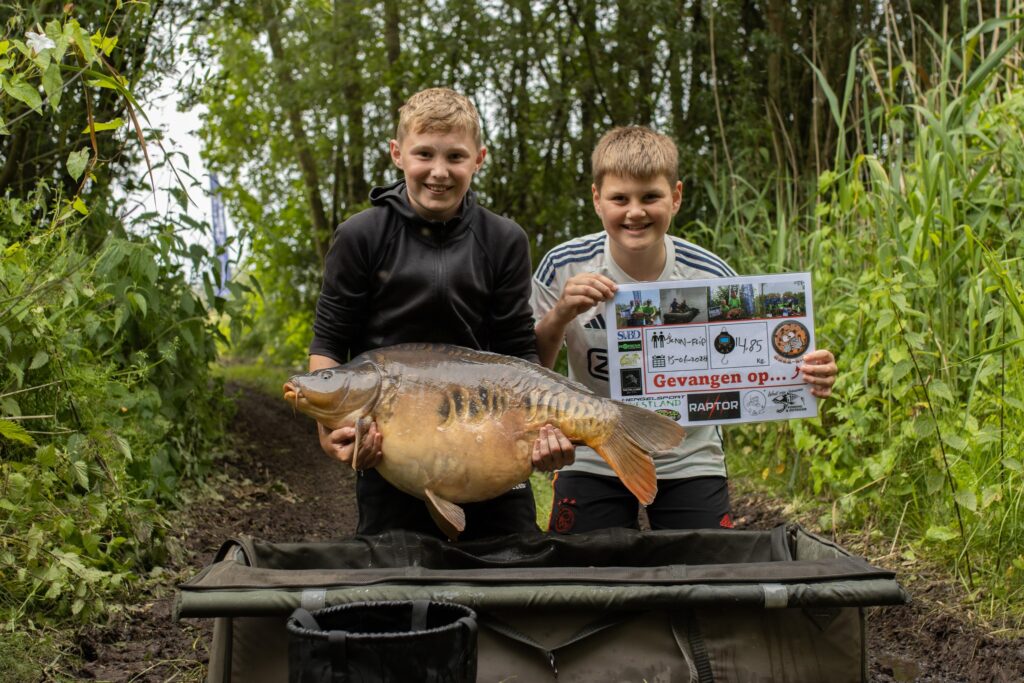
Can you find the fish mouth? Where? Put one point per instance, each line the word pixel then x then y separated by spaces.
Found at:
pixel 292 393
pixel 302 401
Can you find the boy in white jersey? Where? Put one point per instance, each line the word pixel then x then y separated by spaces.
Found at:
pixel 636 193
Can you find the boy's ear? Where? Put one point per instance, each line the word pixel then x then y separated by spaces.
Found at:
pixel 597 198
pixel 677 196
pixel 480 156
pixel 396 152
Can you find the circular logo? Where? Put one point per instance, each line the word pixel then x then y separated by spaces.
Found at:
pixel 754 403
pixel 725 342
pixel 565 519
pixel 790 339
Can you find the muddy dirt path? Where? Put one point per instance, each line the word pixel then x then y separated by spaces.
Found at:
pixel 278 486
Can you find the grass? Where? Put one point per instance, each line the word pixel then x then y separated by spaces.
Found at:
pixel 542 496
pixel 27 655
pixel 268 379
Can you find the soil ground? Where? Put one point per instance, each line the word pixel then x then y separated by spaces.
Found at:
pixel 278 486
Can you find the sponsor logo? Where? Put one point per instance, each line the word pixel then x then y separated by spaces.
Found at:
pixel 597 363
pixel 629 360
pixel 630 346
pixel 790 339
pixel 724 405
pixel 789 401
pixel 627 335
pixel 754 403
pixel 669 413
pixel 631 382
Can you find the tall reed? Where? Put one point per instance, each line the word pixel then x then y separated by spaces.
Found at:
pixel 914 236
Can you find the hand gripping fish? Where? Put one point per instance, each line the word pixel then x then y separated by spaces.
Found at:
pixel 458 426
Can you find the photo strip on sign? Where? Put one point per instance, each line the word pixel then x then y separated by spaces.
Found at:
pixel 717 351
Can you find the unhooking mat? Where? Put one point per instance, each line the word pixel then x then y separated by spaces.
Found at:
pixel 615 605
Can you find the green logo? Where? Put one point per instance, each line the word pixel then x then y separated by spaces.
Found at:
pixel 629 346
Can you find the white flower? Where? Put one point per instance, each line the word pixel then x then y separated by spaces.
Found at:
pixel 38 42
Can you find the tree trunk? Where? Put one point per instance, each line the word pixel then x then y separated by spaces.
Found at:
pixel 307 162
pixel 393 47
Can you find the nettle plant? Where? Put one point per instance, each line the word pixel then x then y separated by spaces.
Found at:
pixel 107 404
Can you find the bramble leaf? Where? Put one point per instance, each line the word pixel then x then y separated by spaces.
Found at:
pixel 24 92
pixel 12 431
pixel 940 533
pixel 52 84
pixel 77 162
pixel 967 499
pixel 39 360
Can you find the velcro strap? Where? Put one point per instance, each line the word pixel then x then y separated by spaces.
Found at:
pixel 419 615
pixel 336 642
pixel 776 595
pixel 313 598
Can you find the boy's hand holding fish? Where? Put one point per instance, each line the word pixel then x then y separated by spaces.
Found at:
pixel 341 444
pixel 552 450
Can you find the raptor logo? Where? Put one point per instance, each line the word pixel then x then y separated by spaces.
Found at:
pixel 597 363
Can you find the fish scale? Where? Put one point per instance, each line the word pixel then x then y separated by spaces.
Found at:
pixel 575 415
pixel 459 426
pixel 459 403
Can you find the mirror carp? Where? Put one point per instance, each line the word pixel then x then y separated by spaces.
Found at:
pixel 458 425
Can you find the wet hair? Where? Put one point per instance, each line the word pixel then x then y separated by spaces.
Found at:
pixel 635 152
pixel 438 110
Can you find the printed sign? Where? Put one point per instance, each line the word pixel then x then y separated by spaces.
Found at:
pixel 718 351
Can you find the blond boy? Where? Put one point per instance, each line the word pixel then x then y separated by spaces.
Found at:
pixel 636 193
pixel 426 263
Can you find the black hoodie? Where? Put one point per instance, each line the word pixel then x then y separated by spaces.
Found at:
pixel 392 277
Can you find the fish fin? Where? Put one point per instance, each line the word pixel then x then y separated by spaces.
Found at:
pixel 633 465
pixel 649 430
pixel 359 436
pixel 628 450
pixel 446 514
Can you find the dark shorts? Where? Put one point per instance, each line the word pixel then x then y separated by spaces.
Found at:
pixel 585 502
pixel 382 507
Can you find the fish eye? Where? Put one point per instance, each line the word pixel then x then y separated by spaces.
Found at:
pixel 326 374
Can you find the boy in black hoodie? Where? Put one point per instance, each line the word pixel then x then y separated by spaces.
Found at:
pixel 426 263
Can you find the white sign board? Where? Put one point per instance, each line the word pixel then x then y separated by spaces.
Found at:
pixel 717 351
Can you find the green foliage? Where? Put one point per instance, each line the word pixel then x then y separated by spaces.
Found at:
pixel 107 406
pixel 915 240
pixel 105 370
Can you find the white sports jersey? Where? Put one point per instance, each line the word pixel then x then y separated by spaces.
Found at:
pixel 700 454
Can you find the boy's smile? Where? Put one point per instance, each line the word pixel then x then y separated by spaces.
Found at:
pixel 438 169
pixel 637 214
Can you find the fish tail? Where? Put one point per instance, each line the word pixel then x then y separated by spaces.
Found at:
pixel 628 449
